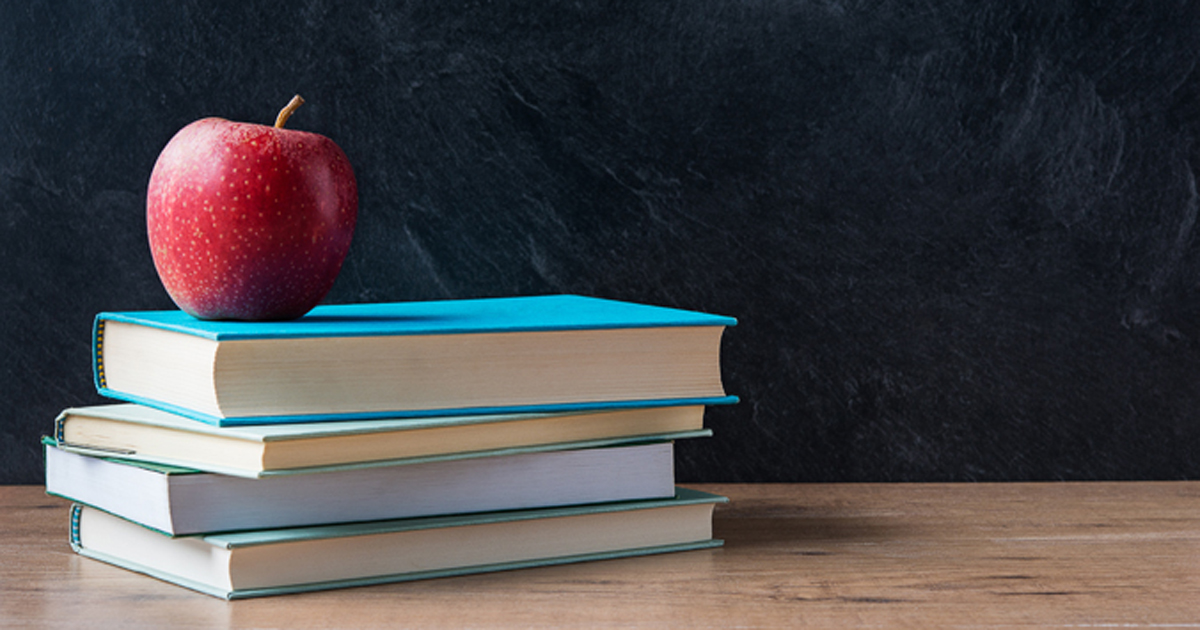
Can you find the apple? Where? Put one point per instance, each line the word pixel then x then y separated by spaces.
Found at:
pixel 249 221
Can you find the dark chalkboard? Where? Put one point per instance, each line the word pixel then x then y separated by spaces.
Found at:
pixel 960 237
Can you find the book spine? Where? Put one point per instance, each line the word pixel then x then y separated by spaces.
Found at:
pixel 98 355
pixel 76 510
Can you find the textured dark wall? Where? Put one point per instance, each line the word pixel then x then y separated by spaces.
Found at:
pixel 959 236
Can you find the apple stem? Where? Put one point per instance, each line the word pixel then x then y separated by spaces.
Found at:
pixel 286 112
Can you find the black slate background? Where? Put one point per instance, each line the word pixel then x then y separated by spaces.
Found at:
pixel 960 237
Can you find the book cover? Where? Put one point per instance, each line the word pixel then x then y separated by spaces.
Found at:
pixel 487 315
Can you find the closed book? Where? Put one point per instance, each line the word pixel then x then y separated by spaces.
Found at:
pixel 141 433
pixel 450 357
pixel 179 501
pixel 267 562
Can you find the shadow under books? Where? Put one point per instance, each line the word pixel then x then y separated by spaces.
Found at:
pixel 819 530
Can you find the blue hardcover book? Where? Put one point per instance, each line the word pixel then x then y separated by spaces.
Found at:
pixel 271 562
pixel 412 359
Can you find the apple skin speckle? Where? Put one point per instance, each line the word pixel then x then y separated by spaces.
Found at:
pixel 249 222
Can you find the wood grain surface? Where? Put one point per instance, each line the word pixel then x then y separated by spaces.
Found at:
pixel 1056 555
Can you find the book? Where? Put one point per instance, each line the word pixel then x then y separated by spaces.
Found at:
pixel 450 357
pixel 268 562
pixel 179 501
pixel 140 433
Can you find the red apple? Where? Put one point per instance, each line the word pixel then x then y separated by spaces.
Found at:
pixel 250 222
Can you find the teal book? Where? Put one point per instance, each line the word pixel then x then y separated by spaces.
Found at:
pixel 413 359
pixel 272 562
pixel 181 501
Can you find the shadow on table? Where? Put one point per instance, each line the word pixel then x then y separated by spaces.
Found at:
pixel 804 532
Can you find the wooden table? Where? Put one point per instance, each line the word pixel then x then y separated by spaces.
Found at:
pixel 1078 555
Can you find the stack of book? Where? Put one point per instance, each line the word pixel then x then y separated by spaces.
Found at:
pixel 375 443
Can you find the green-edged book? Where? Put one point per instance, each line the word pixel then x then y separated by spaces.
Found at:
pixel 140 433
pixel 179 501
pixel 450 357
pixel 270 562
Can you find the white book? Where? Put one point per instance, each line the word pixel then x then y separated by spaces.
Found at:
pixel 179 501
